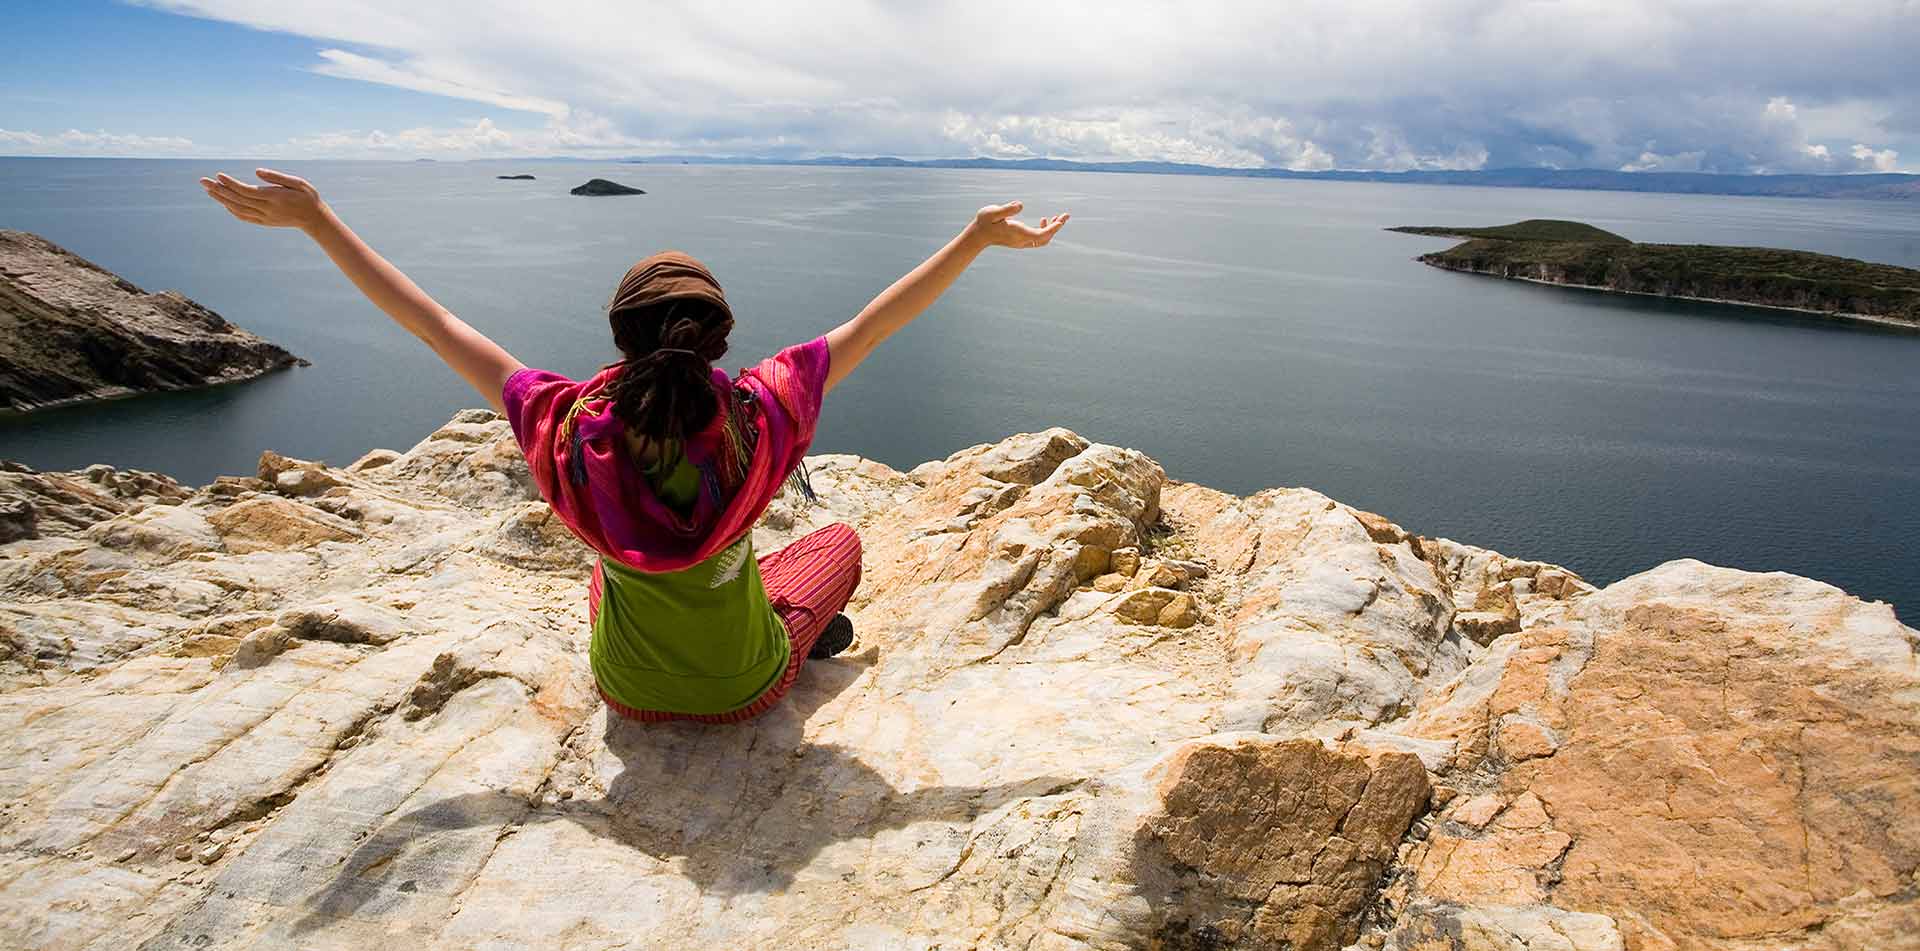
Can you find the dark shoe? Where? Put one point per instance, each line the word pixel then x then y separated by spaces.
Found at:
pixel 837 637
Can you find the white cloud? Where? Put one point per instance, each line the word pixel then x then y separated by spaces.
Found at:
pixel 1388 148
pixel 1223 137
pixel 1879 160
pixel 1308 84
pixel 345 65
pixel 479 138
pixel 98 142
pixel 1650 161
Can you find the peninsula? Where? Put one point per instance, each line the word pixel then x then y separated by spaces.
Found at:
pixel 71 331
pixel 1574 254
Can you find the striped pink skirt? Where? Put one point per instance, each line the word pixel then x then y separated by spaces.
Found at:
pixel 808 582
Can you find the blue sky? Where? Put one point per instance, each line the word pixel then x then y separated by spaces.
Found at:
pixel 1714 85
pixel 137 71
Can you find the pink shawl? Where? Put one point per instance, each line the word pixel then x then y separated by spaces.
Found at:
pixel 573 444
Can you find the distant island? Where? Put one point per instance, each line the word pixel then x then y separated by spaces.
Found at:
pixel 1574 254
pixel 515 178
pixel 1888 185
pixel 600 186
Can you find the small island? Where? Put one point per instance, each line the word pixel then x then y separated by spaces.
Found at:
pixel 515 178
pixel 1574 254
pixel 72 331
pixel 601 186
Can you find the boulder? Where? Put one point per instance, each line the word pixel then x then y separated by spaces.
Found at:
pixel 266 524
pixel 295 477
pixel 1258 842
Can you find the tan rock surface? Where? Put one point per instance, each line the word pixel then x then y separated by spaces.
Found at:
pixel 1713 758
pixel 350 707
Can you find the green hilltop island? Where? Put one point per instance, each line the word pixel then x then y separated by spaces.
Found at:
pixel 1574 254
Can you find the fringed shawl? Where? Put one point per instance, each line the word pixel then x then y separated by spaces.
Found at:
pixel 574 446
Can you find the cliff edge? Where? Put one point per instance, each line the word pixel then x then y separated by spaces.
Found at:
pixel 71 331
pixel 1088 708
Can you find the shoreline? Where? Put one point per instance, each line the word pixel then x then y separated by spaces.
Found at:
pixel 1890 323
pixel 118 393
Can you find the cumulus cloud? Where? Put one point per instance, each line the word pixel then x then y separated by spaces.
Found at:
pixel 1770 85
pixel 97 142
pixel 476 138
pixel 1878 160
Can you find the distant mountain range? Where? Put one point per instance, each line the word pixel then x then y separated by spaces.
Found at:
pixel 1878 186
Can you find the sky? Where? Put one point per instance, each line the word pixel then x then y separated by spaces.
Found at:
pixel 1681 85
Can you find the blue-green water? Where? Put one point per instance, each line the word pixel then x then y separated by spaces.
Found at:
pixel 1245 333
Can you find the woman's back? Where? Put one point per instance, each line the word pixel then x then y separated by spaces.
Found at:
pixel 703 639
pixel 576 451
pixel 681 618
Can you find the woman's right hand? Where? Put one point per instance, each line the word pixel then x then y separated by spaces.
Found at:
pixel 286 201
pixel 995 224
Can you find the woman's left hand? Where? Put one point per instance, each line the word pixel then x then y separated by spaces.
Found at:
pixel 995 224
pixel 286 201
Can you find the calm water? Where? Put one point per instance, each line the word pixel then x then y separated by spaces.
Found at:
pixel 1245 333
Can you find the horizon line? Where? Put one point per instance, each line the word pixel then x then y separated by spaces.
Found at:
pixel 1031 162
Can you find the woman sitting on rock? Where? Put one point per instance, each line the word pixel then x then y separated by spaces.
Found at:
pixel 662 463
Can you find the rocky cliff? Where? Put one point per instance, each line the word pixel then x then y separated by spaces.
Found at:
pixel 72 331
pixel 1088 708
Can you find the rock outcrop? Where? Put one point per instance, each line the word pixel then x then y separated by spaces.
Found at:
pixel 1088 708
pixel 600 186
pixel 71 331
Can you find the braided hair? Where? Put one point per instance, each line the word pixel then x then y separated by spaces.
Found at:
pixel 664 390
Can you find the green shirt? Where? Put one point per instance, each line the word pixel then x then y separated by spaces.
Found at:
pixel 703 639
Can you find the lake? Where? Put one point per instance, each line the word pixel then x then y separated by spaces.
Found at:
pixel 1245 333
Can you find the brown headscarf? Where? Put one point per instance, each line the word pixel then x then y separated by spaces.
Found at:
pixel 669 275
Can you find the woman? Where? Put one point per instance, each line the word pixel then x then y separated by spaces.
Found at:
pixel 662 463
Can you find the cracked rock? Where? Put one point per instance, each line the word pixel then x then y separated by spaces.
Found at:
pixel 389 721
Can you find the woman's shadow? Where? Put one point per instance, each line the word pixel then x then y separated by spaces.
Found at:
pixel 742 807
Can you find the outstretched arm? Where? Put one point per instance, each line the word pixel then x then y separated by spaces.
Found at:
pixel 289 202
pixel 849 343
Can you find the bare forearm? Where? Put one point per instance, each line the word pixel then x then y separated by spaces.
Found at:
pixel 478 360
pixel 289 201
pixel 381 282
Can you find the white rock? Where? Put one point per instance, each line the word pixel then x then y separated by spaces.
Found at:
pixel 386 689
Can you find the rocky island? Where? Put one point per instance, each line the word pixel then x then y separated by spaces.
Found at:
pixel 1574 254
pixel 515 178
pixel 71 331
pixel 600 186
pixel 1089 707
